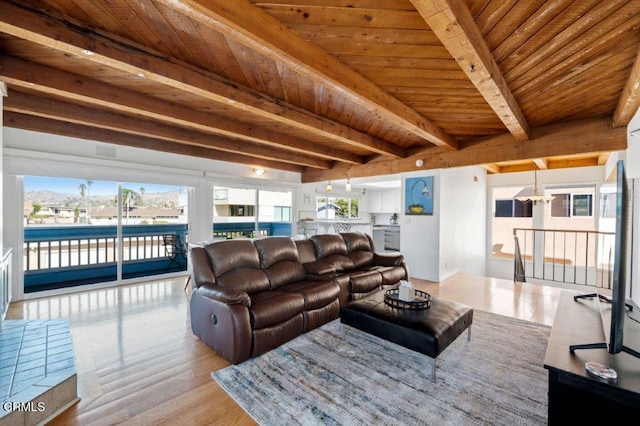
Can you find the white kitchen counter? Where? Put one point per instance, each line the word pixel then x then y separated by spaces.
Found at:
pixel 326 226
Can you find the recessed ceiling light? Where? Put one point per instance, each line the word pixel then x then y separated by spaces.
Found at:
pixel 87 52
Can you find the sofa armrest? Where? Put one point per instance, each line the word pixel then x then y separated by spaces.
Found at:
pixel 202 272
pixel 225 295
pixel 388 259
pixel 319 268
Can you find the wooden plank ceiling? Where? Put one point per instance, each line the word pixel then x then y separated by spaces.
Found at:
pixel 330 88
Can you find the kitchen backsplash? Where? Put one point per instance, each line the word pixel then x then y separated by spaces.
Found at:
pixel 381 218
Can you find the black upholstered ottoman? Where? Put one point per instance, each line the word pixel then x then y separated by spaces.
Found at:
pixel 427 331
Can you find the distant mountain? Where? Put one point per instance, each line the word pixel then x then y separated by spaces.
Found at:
pixel 47 198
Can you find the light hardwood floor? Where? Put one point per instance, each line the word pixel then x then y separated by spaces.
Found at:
pixel 138 362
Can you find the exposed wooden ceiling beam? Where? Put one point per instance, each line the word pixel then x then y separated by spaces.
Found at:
pixel 541 163
pixel 573 162
pixel 56 110
pixel 629 100
pixel 603 157
pixel 453 24
pixel 56 127
pixel 517 167
pixel 47 31
pixel 575 137
pixel 492 168
pixel 252 27
pixel 81 89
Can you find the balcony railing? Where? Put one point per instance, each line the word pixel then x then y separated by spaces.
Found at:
pixel 566 256
pixel 65 256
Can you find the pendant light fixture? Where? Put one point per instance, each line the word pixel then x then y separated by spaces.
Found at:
pixel 536 197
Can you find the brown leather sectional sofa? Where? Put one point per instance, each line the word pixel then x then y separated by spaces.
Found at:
pixel 251 296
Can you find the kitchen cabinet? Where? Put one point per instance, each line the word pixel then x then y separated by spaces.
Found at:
pixel 387 201
pixel 391 237
pixel 375 201
pixel 378 239
pixel 386 237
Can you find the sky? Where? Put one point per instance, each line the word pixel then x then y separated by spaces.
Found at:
pixel 99 187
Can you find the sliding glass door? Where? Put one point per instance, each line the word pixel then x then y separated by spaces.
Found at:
pixel 244 212
pixel 80 232
pixel 275 209
pixel 154 229
pixel 68 239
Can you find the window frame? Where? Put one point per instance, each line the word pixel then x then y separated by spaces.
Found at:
pixel 572 206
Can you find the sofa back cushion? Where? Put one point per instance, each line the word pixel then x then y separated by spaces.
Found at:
pixel 359 248
pixel 306 251
pixel 332 249
pixel 328 244
pixel 236 264
pixel 356 241
pixel 272 250
pixel 279 260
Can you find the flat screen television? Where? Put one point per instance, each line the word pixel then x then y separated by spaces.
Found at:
pixel 613 307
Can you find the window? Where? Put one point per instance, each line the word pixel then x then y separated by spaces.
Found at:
pixel 251 212
pixel 608 205
pixel 560 205
pixel 241 210
pixel 282 214
pixel 72 227
pixel 572 205
pixel 513 208
pixel 337 207
pixel 583 205
pixel 504 208
pixel 508 214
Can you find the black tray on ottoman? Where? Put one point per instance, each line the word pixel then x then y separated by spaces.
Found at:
pixel 427 331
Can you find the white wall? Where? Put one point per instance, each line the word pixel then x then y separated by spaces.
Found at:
pixel 420 235
pixel 453 239
pixel 463 221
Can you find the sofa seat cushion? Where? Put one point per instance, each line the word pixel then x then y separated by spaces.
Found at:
pixel 316 293
pixel 364 282
pixel 274 307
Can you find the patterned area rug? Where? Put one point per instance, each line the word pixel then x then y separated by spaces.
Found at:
pixel 339 375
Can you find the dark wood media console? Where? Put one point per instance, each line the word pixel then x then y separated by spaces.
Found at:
pixel 573 393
